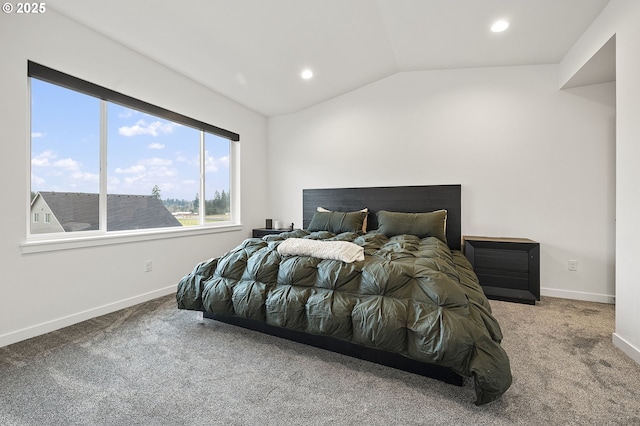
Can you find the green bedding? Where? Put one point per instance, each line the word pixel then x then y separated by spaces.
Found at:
pixel 410 296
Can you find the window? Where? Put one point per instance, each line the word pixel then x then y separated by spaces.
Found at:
pixel 105 162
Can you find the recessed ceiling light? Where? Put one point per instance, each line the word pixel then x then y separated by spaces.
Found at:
pixel 306 74
pixel 499 26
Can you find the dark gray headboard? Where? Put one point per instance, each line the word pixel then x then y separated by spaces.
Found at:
pixel 411 199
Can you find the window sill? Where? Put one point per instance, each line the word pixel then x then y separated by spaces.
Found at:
pixel 56 244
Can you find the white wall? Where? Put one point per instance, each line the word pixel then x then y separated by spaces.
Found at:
pixel 622 18
pixel 533 161
pixel 44 291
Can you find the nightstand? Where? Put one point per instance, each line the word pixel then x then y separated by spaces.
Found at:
pixel 508 268
pixel 261 232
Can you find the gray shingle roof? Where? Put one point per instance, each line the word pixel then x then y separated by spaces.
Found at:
pixel 79 211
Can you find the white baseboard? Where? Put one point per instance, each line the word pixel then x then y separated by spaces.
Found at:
pixel 626 347
pixel 56 324
pixel 578 295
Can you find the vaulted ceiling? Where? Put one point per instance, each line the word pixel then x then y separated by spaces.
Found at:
pixel 253 51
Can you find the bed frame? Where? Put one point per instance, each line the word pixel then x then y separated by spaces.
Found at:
pixel 413 199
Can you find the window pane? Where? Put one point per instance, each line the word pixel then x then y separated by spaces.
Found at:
pixel 217 172
pixel 153 171
pixel 65 159
pixel 157 162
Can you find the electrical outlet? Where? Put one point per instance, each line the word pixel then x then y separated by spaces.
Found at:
pixel 573 265
pixel 148 266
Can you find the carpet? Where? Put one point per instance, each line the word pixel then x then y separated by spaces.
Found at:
pixel 153 364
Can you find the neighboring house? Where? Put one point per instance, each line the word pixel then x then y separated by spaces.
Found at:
pixel 77 211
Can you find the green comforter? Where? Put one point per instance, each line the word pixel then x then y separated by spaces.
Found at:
pixel 410 296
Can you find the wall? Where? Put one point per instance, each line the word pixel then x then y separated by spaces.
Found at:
pixel 533 161
pixel 41 292
pixel 620 18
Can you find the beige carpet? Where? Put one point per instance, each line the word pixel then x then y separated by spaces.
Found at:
pixel 566 369
pixel 156 365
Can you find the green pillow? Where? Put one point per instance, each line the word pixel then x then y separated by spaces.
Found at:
pixel 337 222
pixel 431 224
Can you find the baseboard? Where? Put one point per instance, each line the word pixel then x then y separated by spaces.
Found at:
pixel 578 295
pixel 626 347
pixel 56 324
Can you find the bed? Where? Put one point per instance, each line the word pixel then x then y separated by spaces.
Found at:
pixel 375 273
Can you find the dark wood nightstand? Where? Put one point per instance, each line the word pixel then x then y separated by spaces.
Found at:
pixel 261 232
pixel 508 268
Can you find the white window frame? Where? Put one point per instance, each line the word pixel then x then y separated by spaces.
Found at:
pixel 35 243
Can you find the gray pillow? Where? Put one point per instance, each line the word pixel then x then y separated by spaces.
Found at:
pixel 337 222
pixel 431 224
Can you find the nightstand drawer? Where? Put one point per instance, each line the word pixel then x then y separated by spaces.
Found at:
pixel 503 279
pixel 500 259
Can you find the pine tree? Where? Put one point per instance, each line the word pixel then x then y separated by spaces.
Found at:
pixel 155 192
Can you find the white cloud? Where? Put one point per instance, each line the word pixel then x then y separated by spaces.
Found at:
pixel 213 164
pixel 67 163
pixel 36 180
pixel 126 113
pixel 142 128
pixel 37 135
pixel 138 168
pixel 210 163
pixel 140 177
pixel 167 186
pixel 156 145
pixel 45 159
pixel 155 162
pixel 86 176
pixel 42 160
pixel 61 174
pixel 163 171
pixel 132 179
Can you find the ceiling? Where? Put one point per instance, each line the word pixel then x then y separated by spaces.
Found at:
pixel 252 51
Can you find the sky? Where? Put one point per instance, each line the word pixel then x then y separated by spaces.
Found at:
pixel 142 151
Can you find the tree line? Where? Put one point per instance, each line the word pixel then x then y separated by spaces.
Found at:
pixel 219 204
